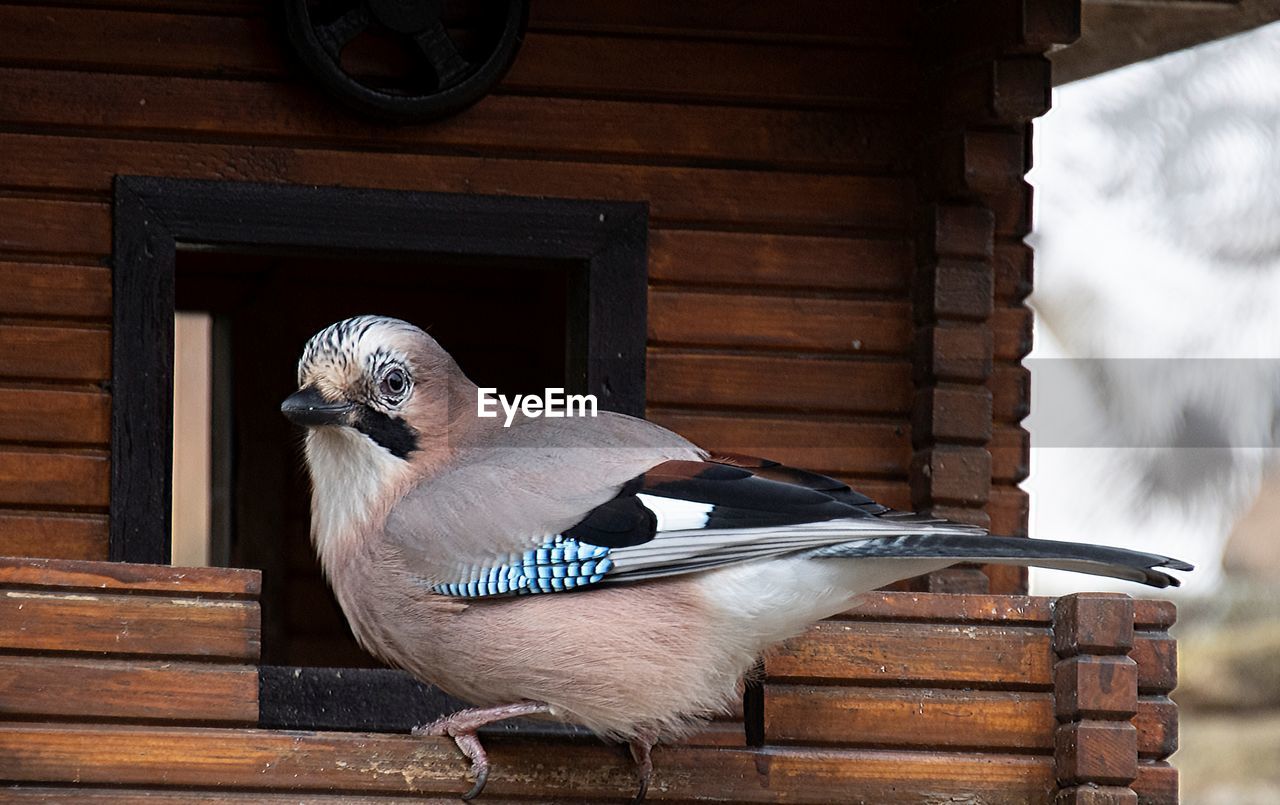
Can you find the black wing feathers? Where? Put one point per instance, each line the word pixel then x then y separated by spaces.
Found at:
pixel 739 498
pixel 618 523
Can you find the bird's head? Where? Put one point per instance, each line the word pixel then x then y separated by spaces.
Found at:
pixel 380 377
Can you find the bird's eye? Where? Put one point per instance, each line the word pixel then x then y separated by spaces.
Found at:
pixel 393 383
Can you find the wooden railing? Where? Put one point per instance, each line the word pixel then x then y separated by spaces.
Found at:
pixel 118 681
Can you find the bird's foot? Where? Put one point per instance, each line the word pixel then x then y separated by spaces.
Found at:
pixel 462 726
pixel 641 749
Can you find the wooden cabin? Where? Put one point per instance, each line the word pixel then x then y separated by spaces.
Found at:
pixel 785 229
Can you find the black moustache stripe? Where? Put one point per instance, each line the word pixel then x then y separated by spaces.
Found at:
pixel 393 433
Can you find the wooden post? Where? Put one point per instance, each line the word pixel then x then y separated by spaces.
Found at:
pixel 1095 685
pixel 985 79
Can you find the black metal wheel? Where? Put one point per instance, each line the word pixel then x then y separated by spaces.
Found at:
pixel 442 76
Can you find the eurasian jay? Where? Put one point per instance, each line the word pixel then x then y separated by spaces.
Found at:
pixel 602 571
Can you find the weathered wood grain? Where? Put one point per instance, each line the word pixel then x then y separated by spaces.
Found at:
pixel 61 352
pixel 120 577
pixel 909 717
pixel 858 20
pixel 852 327
pixel 32 476
pixel 131 756
pixel 1148 614
pixel 1010 447
pixel 948 654
pixel 132 690
pixel 706 379
pixel 187 796
pixel 937 718
pixel 821 445
pixel 1011 327
pixel 758 199
pixel 830 139
pixel 1157 784
pixel 53 535
pixel 47 226
pixel 46 415
pixel 56 291
pixel 753 260
pixel 851 20
pixel 550 63
pixel 45 621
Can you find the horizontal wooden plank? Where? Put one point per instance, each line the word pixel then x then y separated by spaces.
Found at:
pixel 1148 614
pixel 128 624
pixel 54 535
pixel 32 476
pixel 161 796
pixel 359 763
pixel 932 718
pixel 909 717
pixel 548 63
pixel 88 690
pixel 859 20
pixel 895 493
pixel 682 377
pixel 832 139
pixel 753 73
pixel 54 416
pixel 1003 609
pixel 855 20
pixel 760 260
pixel 951 654
pixel 841 447
pixel 62 291
pixel 767 199
pixel 49 352
pixel 79 38
pixel 853 327
pixel 122 577
pixel 46 226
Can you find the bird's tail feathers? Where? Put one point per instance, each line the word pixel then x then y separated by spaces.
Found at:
pixel 1097 560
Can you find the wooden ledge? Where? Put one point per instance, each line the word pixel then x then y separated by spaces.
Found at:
pixel 120 577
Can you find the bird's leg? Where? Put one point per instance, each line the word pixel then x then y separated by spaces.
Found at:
pixel 462 726
pixel 641 748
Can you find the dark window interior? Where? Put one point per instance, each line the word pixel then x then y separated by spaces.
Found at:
pixel 516 327
pixel 525 293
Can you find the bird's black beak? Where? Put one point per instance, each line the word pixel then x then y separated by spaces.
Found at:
pixel 306 407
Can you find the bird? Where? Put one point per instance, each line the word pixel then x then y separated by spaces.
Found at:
pixel 601 571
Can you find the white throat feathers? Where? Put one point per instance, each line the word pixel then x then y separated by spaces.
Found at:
pixel 352 480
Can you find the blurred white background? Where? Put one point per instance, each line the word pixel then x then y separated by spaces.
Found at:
pixel 1155 379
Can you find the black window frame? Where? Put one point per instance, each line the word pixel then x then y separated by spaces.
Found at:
pixel 153 216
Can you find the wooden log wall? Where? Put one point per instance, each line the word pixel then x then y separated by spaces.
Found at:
pixel 778 147
pixel 148 689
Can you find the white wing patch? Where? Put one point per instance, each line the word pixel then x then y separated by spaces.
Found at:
pixel 677 515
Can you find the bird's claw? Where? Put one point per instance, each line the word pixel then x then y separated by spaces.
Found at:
pixel 468 743
pixel 462 726
pixel 481 773
pixel 641 748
